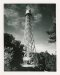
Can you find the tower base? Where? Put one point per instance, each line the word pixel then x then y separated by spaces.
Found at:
pixel 27 62
pixel 27 65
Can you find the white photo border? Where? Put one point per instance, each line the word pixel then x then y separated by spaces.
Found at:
pixel 57 2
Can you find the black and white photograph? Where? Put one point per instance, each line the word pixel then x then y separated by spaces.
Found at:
pixel 30 37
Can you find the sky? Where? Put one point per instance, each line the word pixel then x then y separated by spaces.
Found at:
pixel 42 21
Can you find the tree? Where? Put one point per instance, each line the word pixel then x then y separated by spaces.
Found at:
pixel 50 62
pixel 8 50
pixel 8 39
pixel 52 32
pixel 46 62
pixel 17 55
pixel 13 53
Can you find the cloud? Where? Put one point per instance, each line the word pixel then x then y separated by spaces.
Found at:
pixel 37 18
pixel 14 19
pixel 36 15
pixel 34 9
pixel 10 12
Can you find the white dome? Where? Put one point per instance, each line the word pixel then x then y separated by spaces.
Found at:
pixel 28 11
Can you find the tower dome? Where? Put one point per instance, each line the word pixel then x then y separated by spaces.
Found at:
pixel 28 10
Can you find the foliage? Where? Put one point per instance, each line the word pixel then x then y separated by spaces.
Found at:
pixel 46 62
pixel 12 52
pixel 52 33
pixel 50 62
pixel 8 38
pixel 13 57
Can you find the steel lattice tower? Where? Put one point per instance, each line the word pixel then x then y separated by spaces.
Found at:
pixel 30 57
